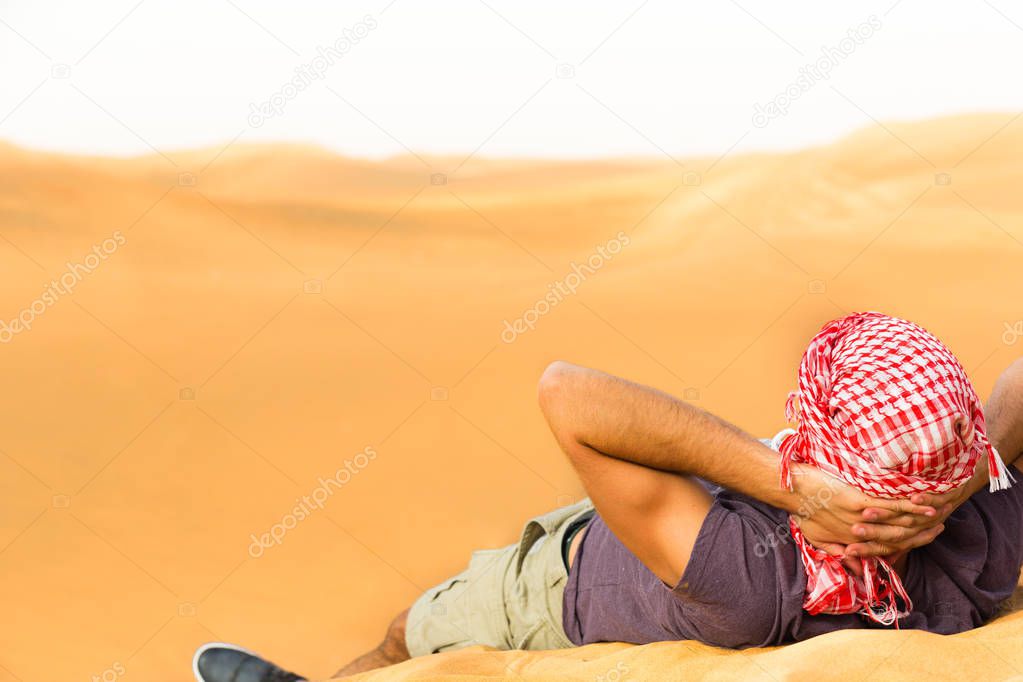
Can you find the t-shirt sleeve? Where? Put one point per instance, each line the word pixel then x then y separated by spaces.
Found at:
pixel 739 582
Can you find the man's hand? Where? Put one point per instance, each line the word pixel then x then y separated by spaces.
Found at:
pixel 955 497
pixel 877 537
pixel 843 521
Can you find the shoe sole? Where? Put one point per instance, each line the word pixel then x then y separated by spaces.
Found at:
pixel 214 645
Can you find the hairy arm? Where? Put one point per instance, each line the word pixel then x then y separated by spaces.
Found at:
pixel 644 426
pixel 635 449
pixel 1004 416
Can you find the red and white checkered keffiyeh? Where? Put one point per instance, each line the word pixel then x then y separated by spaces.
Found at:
pixel 885 407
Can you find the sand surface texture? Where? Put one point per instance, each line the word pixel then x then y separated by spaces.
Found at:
pixel 235 328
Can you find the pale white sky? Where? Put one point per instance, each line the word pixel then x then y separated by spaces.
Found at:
pixel 123 77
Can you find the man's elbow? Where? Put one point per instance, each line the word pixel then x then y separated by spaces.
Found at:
pixel 554 385
pixel 558 391
pixel 552 381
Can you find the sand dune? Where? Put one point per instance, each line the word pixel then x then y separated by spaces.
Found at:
pixel 269 312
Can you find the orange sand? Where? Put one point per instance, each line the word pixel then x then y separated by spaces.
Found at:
pixel 190 390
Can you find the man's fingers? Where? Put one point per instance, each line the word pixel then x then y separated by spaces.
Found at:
pixel 874 548
pixel 900 506
pixel 883 532
pixel 853 565
pixel 952 498
pixel 890 518
pixel 832 548
pixel 865 549
pixel 932 499
pixel 893 518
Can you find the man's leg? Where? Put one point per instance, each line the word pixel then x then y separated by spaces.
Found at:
pixel 390 651
pixel 506 598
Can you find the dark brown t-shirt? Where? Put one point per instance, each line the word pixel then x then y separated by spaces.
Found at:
pixel 745 582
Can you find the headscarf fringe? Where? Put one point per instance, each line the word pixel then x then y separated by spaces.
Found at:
pixel 884 608
pixel 999 474
pixel 790 406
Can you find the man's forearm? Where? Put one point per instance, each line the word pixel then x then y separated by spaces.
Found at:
pixel 638 424
pixel 1004 414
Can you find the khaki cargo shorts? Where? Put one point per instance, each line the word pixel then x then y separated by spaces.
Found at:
pixel 507 598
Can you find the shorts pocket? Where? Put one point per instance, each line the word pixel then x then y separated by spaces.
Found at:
pixel 462 611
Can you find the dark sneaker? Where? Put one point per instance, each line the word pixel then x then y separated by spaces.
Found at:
pixel 219 662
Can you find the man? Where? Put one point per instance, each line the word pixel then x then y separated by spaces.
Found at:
pixel 880 519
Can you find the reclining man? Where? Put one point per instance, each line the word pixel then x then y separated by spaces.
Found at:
pixel 881 518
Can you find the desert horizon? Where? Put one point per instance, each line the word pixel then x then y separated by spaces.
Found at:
pixel 976 125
